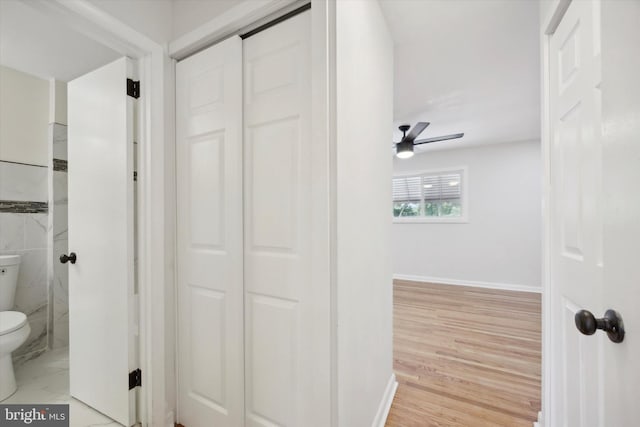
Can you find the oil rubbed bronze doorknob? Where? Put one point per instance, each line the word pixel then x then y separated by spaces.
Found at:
pixel 70 258
pixel 611 323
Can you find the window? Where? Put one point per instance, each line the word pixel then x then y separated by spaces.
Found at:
pixel 430 197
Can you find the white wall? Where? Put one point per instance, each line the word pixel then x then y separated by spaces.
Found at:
pixel 57 102
pixel 24 117
pixel 501 243
pixel 165 20
pixel 153 18
pixel 549 8
pixel 190 14
pixel 364 283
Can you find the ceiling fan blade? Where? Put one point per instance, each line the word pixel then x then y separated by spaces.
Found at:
pixel 438 138
pixel 417 130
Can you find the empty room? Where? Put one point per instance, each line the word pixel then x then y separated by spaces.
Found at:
pixel 467 213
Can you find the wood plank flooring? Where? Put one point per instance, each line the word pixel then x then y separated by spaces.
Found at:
pixel 465 356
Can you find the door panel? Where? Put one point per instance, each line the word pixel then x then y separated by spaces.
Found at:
pixel 101 207
pixel 576 223
pixel 210 283
pixel 277 229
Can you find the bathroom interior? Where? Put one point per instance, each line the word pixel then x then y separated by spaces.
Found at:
pixel 34 282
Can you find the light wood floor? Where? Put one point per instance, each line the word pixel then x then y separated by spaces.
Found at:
pixel 465 356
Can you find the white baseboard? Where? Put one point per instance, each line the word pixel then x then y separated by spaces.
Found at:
pixel 472 283
pixel 539 423
pixel 170 420
pixel 385 403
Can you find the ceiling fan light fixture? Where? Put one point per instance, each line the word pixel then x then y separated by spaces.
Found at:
pixel 404 150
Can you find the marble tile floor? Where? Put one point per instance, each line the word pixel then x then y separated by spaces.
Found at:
pixel 45 379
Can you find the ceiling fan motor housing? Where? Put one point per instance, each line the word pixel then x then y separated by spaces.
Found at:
pixel 404 149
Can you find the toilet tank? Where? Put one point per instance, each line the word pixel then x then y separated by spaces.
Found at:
pixel 9 266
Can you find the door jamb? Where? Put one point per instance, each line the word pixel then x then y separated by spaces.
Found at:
pixel 548 25
pixel 155 193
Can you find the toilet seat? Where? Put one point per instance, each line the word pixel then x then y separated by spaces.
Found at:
pixel 11 321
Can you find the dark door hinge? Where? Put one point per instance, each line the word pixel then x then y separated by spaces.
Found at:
pixel 135 379
pixel 133 88
pixel 135 176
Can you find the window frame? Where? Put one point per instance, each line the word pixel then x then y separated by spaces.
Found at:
pixel 464 196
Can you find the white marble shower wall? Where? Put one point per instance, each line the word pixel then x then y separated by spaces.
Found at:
pixel 59 273
pixel 33 224
pixel 24 229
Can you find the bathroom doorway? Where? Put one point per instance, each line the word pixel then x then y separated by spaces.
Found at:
pixel 67 201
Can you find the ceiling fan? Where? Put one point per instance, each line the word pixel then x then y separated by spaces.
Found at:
pixel 404 148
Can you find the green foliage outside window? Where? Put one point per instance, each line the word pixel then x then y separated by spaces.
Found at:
pixel 440 208
pixel 404 209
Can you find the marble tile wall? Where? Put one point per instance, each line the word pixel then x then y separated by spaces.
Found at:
pixel 23 182
pixel 33 224
pixel 59 273
pixel 25 233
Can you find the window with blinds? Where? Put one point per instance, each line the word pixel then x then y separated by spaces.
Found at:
pixel 428 195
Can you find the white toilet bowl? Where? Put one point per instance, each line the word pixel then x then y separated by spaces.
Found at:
pixel 14 331
pixel 14 328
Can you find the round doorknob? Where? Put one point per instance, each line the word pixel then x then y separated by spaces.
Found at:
pixel 611 323
pixel 68 258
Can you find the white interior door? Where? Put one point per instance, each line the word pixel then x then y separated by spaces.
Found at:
pixel 210 284
pixel 101 207
pixel 576 225
pixel 280 313
pixel 593 202
pixel 621 203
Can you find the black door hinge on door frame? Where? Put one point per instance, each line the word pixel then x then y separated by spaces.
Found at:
pixel 135 379
pixel 133 88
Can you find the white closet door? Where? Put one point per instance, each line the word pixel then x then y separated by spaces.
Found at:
pixel 209 185
pixel 280 364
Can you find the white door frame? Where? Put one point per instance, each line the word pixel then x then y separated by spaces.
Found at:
pixel 156 194
pixel 548 25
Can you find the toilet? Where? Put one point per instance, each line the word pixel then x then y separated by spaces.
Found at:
pixel 14 328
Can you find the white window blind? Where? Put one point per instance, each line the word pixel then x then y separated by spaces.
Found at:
pixel 428 195
pixel 407 189
pixel 442 187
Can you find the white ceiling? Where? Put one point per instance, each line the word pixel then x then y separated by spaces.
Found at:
pixel 32 43
pixel 467 66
